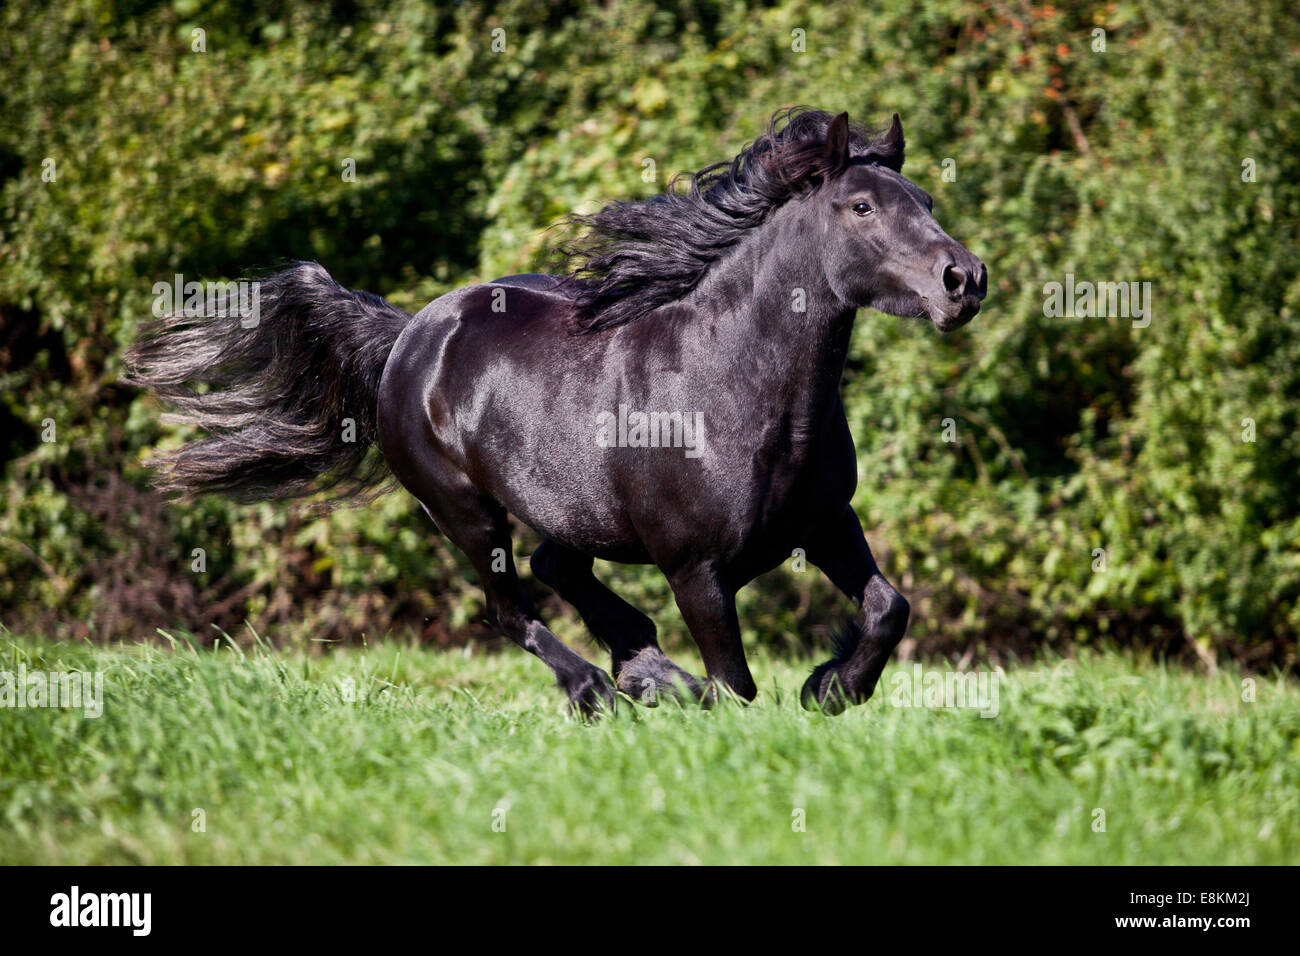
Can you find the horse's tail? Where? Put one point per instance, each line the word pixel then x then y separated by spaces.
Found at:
pixel 291 388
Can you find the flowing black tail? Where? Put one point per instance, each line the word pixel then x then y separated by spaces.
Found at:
pixel 290 405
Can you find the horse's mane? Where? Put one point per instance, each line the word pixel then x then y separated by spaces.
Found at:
pixel 632 257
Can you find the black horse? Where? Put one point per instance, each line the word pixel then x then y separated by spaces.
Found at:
pixel 672 398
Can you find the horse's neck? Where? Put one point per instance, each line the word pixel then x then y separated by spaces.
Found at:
pixel 786 329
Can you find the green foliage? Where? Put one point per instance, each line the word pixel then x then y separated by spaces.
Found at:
pixel 397 754
pixel 1073 434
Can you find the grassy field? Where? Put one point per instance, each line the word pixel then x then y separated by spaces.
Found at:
pixel 404 755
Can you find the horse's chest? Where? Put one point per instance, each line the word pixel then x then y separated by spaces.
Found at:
pixel 794 486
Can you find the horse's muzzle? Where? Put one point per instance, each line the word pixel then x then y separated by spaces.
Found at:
pixel 965 284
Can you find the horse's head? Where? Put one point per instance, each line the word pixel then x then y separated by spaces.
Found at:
pixel 883 247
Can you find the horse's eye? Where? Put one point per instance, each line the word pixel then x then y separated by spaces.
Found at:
pixel 862 209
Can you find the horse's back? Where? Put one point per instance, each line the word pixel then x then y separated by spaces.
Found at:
pixel 537 281
pixel 464 316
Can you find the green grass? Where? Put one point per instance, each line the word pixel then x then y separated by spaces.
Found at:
pixel 401 755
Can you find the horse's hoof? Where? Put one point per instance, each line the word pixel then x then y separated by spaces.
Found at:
pixel 650 675
pixel 823 691
pixel 591 693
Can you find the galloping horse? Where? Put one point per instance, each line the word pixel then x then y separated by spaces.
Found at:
pixel 719 313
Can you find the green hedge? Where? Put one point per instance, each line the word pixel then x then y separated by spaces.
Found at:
pixel 1071 434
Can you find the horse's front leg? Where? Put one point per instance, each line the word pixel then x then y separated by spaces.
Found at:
pixel 840 549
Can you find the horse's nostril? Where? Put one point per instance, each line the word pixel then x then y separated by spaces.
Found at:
pixel 954 279
pixel 983 284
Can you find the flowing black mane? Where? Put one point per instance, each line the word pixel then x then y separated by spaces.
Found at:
pixel 633 257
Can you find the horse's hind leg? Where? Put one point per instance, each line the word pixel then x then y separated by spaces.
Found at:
pixel 641 669
pixel 480 528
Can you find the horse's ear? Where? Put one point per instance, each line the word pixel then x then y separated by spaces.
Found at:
pixel 837 145
pixel 889 151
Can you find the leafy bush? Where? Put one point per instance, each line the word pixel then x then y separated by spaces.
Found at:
pixel 1072 435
